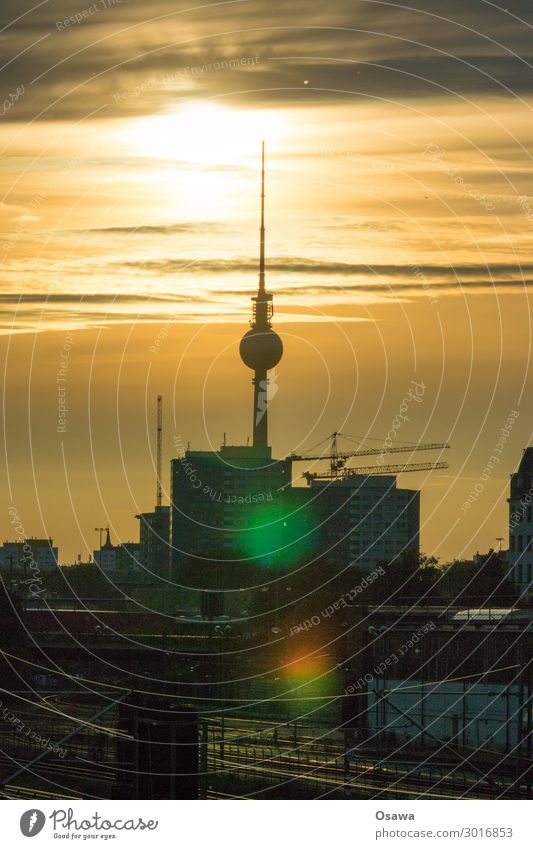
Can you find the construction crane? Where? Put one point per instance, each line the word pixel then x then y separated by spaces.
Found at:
pixel 338 459
pixel 373 471
pixel 159 489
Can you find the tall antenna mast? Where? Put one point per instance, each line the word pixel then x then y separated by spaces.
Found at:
pixel 262 251
pixel 159 489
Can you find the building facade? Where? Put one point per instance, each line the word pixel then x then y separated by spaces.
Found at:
pixel 363 521
pixel 121 562
pixel 227 504
pixel 154 535
pixel 19 558
pixel 521 524
pixel 445 675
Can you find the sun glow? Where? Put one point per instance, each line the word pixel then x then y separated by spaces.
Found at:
pixel 206 134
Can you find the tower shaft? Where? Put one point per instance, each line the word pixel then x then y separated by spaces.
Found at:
pixel 260 431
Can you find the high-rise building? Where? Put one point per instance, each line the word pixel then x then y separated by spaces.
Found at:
pixel 128 563
pixel 366 520
pixel 521 523
pixel 23 556
pixel 154 535
pixel 228 504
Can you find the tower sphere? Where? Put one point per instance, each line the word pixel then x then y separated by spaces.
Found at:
pixel 261 349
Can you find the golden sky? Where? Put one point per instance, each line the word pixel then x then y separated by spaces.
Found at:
pixel 399 225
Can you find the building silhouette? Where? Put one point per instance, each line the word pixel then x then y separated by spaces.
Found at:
pixel 154 542
pixel 521 523
pixel 121 562
pixel 366 520
pixel 23 556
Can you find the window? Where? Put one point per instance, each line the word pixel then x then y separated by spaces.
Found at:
pixel 511 542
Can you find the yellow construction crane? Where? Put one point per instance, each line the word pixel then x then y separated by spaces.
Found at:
pixel 373 471
pixel 338 459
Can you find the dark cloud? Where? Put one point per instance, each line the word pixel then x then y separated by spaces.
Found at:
pixel 408 286
pixel 155 229
pixel 345 49
pixel 378 278
pixel 299 265
pixel 56 298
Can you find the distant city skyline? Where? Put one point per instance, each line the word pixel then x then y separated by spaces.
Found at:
pixel 398 246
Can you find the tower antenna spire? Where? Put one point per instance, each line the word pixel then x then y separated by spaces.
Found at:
pixel 262 251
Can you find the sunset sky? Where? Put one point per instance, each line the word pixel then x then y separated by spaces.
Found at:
pixel 399 242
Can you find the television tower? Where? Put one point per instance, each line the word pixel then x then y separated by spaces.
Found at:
pixel 261 348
